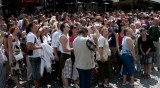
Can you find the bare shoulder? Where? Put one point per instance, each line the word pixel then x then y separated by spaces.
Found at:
pixel 129 40
pixel 63 38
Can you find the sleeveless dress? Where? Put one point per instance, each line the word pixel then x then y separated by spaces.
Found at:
pixel 16 67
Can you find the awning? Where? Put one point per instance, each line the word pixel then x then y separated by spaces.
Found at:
pixel 31 1
pixel 157 1
pixel 115 0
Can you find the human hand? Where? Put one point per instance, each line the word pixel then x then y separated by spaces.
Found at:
pixel 102 60
pixel 147 53
pixel 56 57
pixel 144 53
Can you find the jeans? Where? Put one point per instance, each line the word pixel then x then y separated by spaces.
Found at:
pixel 128 64
pixel 85 78
pixel 35 64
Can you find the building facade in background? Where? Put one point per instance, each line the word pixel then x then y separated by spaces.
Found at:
pixel 71 6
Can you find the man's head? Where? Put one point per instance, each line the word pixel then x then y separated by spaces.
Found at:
pixel 83 31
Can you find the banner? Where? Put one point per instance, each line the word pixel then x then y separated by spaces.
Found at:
pixel 31 1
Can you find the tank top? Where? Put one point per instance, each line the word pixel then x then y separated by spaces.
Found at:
pixel 61 49
pixel 125 47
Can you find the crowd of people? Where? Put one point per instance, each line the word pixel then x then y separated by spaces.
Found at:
pixel 77 47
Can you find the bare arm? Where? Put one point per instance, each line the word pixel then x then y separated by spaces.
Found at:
pixel 130 44
pixel 2 37
pixel 10 39
pixel 141 49
pixel 32 47
pixel 148 51
pixel 64 41
pixel 97 33
pixel 71 44
pixel 117 43
pixel 55 53
pixel 5 45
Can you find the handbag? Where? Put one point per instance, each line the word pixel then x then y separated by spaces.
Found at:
pixel 17 52
pixel 18 56
pixel 105 54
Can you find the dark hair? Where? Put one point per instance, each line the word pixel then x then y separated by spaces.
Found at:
pixel 62 26
pixel 70 31
pixel 120 27
pixel 71 28
pixel 10 24
pixel 83 30
pixel 28 29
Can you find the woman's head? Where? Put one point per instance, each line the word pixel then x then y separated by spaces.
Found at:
pixel 32 27
pixel 14 30
pixel 103 31
pixel 143 30
pixel 73 30
pixel 128 31
pixel 45 29
pixel 105 22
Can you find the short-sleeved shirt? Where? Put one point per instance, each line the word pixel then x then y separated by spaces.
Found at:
pixel 20 23
pixel 55 39
pixel 103 42
pixel 33 39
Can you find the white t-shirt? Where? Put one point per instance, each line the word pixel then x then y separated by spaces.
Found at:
pixel 48 38
pixel 20 23
pixel 55 39
pixel 33 39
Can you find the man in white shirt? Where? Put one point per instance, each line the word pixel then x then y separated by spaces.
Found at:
pixel 55 44
pixel 34 57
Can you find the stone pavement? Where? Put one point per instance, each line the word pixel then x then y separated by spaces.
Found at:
pixel 115 82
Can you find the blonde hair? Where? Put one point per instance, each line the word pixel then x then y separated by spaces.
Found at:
pixel 102 29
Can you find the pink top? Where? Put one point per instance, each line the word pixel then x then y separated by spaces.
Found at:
pixel 143 22
pixel 120 39
pixel 71 39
